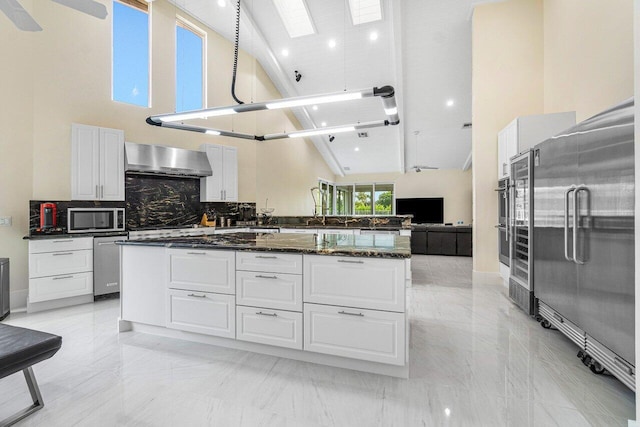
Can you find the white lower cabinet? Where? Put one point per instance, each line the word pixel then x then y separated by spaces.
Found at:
pixel 267 326
pixel 270 262
pixel 202 270
pixel 56 287
pixel 377 336
pixel 375 283
pixel 144 295
pixel 201 312
pixel 54 263
pixel 274 290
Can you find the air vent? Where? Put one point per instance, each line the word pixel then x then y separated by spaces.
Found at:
pixel 466 125
pixel 363 134
pixel 347 168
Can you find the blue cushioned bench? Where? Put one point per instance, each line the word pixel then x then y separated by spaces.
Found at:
pixel 20 349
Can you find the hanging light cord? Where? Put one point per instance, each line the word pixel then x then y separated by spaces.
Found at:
pixel 235 56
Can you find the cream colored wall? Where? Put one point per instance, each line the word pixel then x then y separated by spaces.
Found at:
pixel 507 81
pixel 16 149
pixel 452 184
pixel 588 55
pixel 62 75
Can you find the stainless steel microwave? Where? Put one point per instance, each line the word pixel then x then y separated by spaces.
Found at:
pixel 95 220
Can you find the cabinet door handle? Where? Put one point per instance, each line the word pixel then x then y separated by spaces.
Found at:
pixel 350 262
pixel 259 313
pixel 62 277
pixel 62 253
pixel 351 314
pixel 102 191
pixel 266 257
pixel 260 276
pixel 196 253
pixel 196 296
pixel 97 194
pixel 221 196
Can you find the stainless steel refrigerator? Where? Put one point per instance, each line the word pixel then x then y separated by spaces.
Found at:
pixel 584 238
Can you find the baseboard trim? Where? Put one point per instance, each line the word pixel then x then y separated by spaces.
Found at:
pixel 487 278
pixel 34 307
pixel 18 300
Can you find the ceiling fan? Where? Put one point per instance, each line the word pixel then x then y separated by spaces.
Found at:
pixel 420 168
pixel 21 18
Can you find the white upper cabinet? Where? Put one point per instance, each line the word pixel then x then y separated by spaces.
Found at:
pixel 523 133
pixel 97 163
pixel 223 184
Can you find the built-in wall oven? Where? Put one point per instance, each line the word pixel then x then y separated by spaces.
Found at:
pixel 503 220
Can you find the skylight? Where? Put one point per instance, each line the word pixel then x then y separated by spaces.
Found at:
pixel 295 17
pixel 363 11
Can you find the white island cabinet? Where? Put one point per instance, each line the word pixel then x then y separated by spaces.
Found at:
pixel 343 311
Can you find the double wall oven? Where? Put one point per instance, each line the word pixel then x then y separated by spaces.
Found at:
pixel 504 201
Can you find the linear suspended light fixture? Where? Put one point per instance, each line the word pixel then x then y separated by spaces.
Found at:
pixel 386 93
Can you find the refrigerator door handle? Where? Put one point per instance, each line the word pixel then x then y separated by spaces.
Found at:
pixel 576 220
pixel 566 222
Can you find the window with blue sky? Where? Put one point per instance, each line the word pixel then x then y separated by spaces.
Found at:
pixel 189 68
pixel 130 54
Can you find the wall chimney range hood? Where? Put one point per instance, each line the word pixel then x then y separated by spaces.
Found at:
pixel 167 161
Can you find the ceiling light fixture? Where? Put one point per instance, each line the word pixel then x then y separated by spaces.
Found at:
pixel 373 36
pixel 332 43
pixel 323 124
pixel 363 11
pixel 450 103
pixel 356 149
pixel 314 108
pixel 285 52
pixel 295 17
pixel 222 3
pixel 386 94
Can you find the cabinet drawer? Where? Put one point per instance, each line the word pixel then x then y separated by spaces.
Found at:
pixel 62 244
pixel 374 283
pixel 201 270
pixel 202 312
pixel 65 286
pixel 55 263
pixel 377 336
pixel 273 327
pixel 269 262
pixel 271 290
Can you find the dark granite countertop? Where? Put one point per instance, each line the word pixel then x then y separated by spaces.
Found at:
pixel 378 246
pixel 73 235
pixel 442 228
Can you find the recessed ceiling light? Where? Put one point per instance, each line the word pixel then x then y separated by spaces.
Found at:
pixel 285 52
pixel 315 108
pixel 222 3
pixel 450 103
pixel 373 36
pixel 356 149
pixel 332 43
pixel 295 17
pixel 323 124
pixel 363 11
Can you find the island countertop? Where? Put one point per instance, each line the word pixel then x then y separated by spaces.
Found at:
pixel 377 246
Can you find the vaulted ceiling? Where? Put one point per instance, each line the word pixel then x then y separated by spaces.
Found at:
pixel 421 47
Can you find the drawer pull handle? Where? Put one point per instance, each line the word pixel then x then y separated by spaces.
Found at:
pixel 259 313
pixel 260 276
pixel 350 262
pixel 351 314
pixel 63 241
pixel 196 253
pixel 106 243
pixel 196 296
pixel 266 257
pixel 558 317
pixel 623 365
pixel 62 277
pixel 62 253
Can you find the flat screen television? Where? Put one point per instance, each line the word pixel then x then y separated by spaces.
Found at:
pixel 424 210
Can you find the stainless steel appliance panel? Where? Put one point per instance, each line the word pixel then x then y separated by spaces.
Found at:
pixel 503 220
pixel 519 220
pixel 555 171
pixel 605 229
pixel 4 287
pixel 106 265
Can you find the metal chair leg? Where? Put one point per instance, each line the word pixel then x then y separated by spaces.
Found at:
pixel 38 403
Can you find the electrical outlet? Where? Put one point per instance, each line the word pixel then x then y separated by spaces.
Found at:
pixel 5 221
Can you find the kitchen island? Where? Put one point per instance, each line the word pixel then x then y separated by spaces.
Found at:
pixel 332 299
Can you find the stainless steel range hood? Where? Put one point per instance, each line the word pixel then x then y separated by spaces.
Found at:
pixel 161 160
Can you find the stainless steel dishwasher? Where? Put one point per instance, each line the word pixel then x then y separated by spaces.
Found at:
pixel 106 265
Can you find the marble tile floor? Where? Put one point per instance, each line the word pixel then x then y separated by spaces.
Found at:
pixel 476 360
